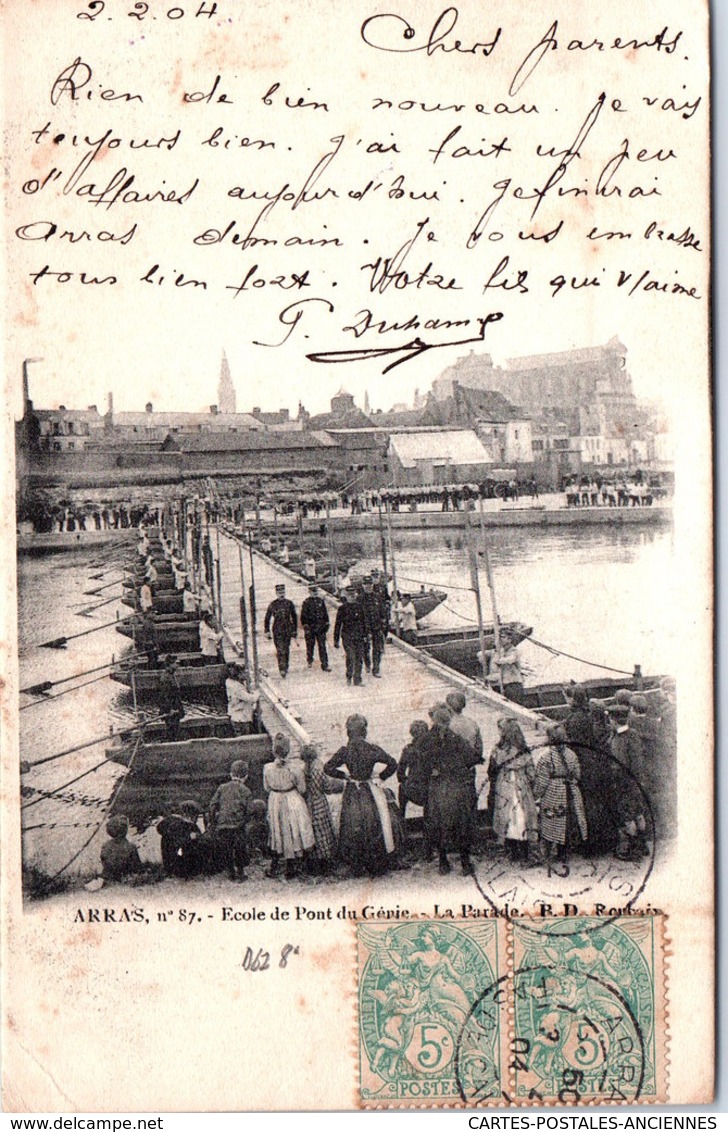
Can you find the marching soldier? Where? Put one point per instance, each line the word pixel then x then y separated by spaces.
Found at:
pixel 282 613
pixel 375 627
pixel 315 625
pixel 350 627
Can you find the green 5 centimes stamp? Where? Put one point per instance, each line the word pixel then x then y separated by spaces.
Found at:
pixel 590 1015
pixel 425 1026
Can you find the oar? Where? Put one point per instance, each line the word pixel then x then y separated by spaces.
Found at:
pixel 89 609
pixel 106 586
pixel 61 642
pixel 26 766
pixel 41 689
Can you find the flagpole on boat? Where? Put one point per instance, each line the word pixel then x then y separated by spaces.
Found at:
pixel 475 583
pixel 491 587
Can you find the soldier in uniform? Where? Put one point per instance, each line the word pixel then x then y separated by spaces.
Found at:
pixel 375 627
pixel 315 625
pixel 350 627
pixel 282 613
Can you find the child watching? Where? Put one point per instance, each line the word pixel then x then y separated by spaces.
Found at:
pixel 229 811
pixel 119 858
pixel 180 833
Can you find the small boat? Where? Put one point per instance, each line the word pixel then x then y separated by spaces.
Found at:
pixel 459 648
pixel 163 603
pixel 161 587
pixel 192 727
pixel 164 774
pixel 426 600
pixel 145 681
pixel 173 633
pixel 553 700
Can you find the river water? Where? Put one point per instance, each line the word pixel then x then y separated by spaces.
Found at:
pixel 603 594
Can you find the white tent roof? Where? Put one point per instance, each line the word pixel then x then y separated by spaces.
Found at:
pixel 456 446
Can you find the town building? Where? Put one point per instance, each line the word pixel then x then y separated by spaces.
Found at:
pixel 433 456
pixel 253 453
pixel 155 425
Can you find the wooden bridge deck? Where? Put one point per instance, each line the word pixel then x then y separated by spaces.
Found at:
pixel 320 702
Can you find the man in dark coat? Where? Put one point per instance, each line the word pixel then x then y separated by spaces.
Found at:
pixel 449 808
pixel 145 637
pixel 350 628
pixel 282 614
pixel 375 626
pixel 315 625
pixel 171 706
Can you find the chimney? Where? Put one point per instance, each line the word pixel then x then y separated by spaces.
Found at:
pixel 283 414
pixel 214 410
pixel 149 407
pixel 256 411
pixel 61 408
pixel 93 409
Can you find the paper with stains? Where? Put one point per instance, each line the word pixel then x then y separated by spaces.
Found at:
pixel 493 220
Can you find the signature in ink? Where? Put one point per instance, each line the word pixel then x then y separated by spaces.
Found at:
pixel 408 351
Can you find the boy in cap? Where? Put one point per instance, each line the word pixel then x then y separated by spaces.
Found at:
pixel 119 858
pixel 281 616
pixel 229 811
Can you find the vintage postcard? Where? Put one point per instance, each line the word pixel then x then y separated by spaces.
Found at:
pixel 357 717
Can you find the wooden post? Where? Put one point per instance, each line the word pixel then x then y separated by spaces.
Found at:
pixel 253 614
pixel 395 594
pixel 219 571
pixel 244 620
pixel 491 587
pixel 382 540
pixel 475 583
pixel 299 520
pixel 333 565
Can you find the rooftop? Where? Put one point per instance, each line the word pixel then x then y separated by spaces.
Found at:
pixel 456 446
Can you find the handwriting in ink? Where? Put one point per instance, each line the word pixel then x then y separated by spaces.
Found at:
pixel 388 271
pixel 385 32
pixel 75 77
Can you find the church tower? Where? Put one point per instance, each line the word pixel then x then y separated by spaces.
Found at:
pixel 226 390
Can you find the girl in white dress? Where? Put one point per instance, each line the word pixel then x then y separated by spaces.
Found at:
pixel 289 823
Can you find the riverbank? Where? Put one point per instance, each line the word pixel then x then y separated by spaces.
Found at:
pixel 511 515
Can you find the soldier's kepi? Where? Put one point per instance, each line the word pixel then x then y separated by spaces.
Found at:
pixel 281 622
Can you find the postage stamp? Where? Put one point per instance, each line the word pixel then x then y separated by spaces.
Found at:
pixel 424 1031
pixel 589 1020
pixel 484 1014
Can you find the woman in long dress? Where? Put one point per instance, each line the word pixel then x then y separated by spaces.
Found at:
pixel 586 737
pixel 291 832
pixel 557 790
pixel 512 774
pixel 367 841
pixel 318 785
